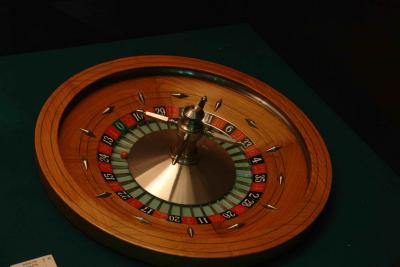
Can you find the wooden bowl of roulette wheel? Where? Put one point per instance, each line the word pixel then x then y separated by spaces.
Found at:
pixel 173 160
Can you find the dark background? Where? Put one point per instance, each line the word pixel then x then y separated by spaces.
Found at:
pixel 348 53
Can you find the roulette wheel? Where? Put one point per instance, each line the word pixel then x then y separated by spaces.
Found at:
pixel 175 160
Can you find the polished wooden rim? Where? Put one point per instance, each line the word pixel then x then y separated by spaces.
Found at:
pixel 79 208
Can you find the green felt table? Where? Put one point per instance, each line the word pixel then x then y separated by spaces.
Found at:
pixel 359 227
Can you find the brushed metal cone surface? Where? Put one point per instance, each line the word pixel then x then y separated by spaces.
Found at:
pixel 210 178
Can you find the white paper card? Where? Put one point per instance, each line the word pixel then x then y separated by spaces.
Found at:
pixel 45 261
